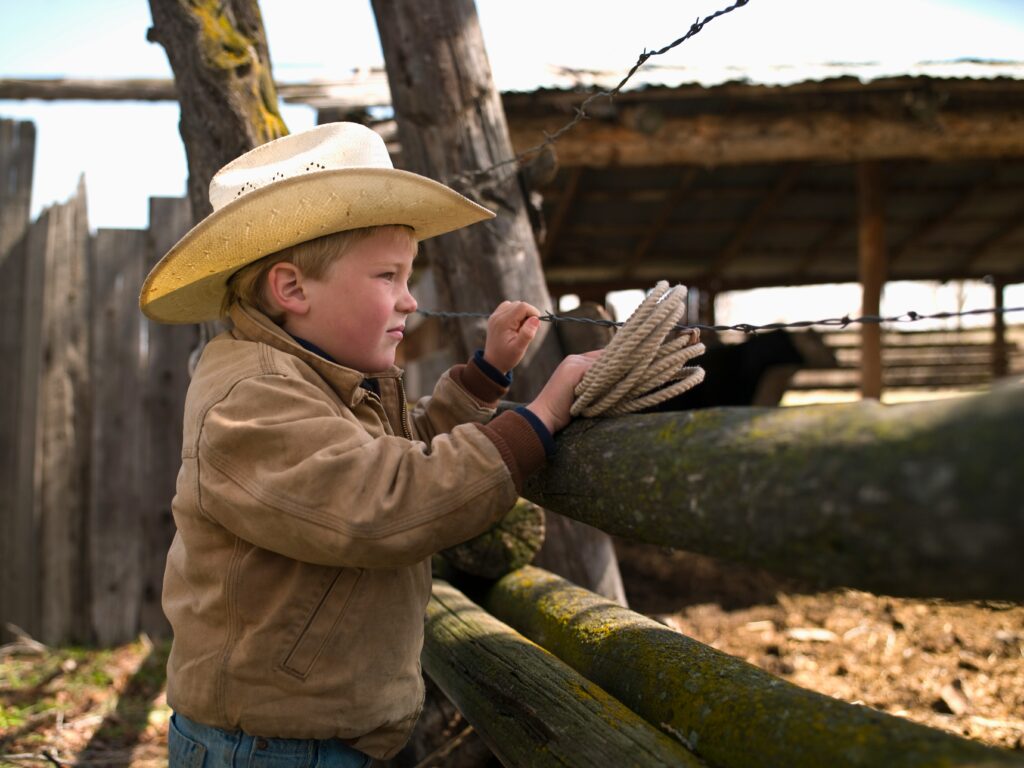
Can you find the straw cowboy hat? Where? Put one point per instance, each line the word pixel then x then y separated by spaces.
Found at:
pixel 329 179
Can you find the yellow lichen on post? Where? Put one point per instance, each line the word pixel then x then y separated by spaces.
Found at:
pixel 226 49
pixel 223 46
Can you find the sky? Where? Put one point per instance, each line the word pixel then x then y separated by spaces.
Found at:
pixel 131 151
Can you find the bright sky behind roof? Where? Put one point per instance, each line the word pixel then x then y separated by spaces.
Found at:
pixel 130 151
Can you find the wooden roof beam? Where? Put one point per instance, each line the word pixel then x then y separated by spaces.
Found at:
pixel 742 139
pixel 761 212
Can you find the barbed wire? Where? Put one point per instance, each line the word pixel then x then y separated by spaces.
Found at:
pixel 909 316
pixel 469 178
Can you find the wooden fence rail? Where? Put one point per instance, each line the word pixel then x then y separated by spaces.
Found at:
pixel 921 499
pixel 729 712
pixel 529 707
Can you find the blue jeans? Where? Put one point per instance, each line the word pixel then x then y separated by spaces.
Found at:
pixel 193 745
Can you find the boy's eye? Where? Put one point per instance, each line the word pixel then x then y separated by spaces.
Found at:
pixel 387 275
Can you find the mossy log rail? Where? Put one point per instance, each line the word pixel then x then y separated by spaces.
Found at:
pixel 920 499
pixel 531 709
pixel 731 713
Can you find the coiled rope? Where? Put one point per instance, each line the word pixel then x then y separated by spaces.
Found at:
pixel 638 368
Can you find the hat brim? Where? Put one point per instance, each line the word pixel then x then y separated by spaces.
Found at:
pixel 187 285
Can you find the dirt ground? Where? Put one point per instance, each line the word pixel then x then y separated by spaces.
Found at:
pixel 955 666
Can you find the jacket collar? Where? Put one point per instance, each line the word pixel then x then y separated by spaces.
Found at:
pixel 253 325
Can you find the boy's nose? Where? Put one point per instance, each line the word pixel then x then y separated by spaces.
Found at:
pixel 407 303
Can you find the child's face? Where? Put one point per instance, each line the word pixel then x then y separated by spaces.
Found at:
pixel 357 312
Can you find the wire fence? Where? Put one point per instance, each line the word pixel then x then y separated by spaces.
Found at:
pixel 470 178
pixel 845 321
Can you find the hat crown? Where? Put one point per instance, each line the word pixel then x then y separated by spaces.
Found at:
pixel 329 147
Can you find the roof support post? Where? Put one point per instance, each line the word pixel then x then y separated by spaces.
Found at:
pixel 700 305
pixel 872 261
pixel 1000 362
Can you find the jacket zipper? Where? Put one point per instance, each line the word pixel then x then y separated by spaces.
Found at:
pixel 403 409
pixel 403 415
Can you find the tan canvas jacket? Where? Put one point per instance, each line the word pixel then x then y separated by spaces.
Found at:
pixel 307 508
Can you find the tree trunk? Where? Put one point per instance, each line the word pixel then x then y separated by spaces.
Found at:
pixel 732 714
pixel 218 53
pixel 531 709
pixel 450 121
pixel 920 499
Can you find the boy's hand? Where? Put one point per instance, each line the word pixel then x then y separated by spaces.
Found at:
pixel 510 329
pixel 552 405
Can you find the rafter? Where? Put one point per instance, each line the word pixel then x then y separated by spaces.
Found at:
pixel 761 211
pixel 679 193
pixel 824 243
pixel 1013 224
pixel 565 201
pixel 931 224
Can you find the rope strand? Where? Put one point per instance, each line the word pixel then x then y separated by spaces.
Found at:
pixel 639 368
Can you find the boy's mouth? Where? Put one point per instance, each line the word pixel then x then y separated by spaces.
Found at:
pixel 398 332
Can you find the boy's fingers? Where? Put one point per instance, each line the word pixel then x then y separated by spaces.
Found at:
pixel 529 328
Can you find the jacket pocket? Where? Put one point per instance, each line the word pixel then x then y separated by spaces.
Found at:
pixel 321 623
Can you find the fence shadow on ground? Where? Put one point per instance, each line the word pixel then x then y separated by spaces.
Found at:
pixel 124 728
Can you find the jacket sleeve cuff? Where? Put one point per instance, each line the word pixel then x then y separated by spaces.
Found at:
pixel 518 443
pixel 472 378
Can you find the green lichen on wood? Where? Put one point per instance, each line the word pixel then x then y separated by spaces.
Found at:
pixel 529 707
pixel 731 713
pixel 919 499
pixel 508 545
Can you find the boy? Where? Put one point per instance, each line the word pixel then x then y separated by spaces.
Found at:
pixel 309 499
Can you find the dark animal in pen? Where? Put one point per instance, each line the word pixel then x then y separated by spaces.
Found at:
pixel 757 371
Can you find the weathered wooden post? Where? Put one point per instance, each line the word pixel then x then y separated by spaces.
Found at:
pixel 18 584
pixel 164 384
pixel 872 273
pixel 451 122
pixel 1000 360
pixel 218 53
pixel 222 75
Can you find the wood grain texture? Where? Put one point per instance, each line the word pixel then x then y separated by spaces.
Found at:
pixel 164 384
pixel 450 121
pixel 59 243
pixel 530 708
pixel 116 528
pixel 919 499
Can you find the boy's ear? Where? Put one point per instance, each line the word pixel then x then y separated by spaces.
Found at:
pixel 285 284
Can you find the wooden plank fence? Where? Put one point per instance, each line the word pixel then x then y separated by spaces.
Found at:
pixel 90 421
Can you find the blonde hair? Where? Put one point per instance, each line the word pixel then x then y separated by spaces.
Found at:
pixel 312 257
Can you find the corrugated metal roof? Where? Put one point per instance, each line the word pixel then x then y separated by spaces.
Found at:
pixel 369 87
